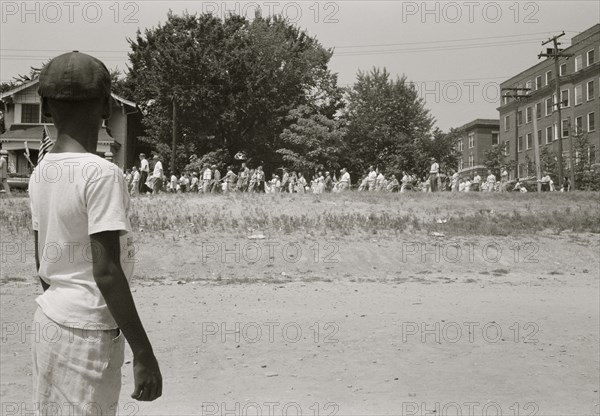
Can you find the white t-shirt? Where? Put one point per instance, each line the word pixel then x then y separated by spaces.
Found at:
pixel 144 166
pixel 74 195
pixel 345 178
pixel 158 169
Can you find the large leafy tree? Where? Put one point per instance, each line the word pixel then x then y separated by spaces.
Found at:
pixel 386 122
pixel 495 159
pixel 313 142
pixel 442 147
pixel 233 81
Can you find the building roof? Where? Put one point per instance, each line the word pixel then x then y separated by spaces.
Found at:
pixel 15 138
pixel 481 122
pixel 33 82
pixel 575 40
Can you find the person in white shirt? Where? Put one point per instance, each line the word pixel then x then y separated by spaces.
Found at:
pixel 503 180
pixel 157 175
pixel 467 185
pixel 380 181
pixel 434 173
pixel 546 182
pixel 371 178
pixel 135 181
pixel 194 182
pixel 4 171
pixel 476 183
pixel 301 186
pixel 406 180
pixel 84 253
pixel 344 182
pixel 144 173
pixel 182 184
pixel 491 182
pixel 454 181
pixel 206 179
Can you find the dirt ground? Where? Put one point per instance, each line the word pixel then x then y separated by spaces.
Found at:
pixel 350 325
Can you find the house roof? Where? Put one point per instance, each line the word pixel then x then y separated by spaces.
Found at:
pixel 33 82
pixel 16 137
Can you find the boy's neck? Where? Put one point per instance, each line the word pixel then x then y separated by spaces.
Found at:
pixel 81 142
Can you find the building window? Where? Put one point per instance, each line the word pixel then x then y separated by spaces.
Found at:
pixel 578 124
pixel 578 63
pixel 506 123
pixel 565 129
pixel 529 140
pixel 564 98
pixel 548 134
pixel 519 117
pixel 590 90
pixel 471 161
pixel 548 106
pixel 520 144
pixel 548 77
pixel 555 125
pixel 539 137
pixel 538 110
pixel 562 70
pixel 590 57
pixel 528 85
pixel 471 140
pixel 538 82
pixel 528 115
pixel 460 145
pixel 495 138
pixel 506 147
pixel 461 164
pixel 591 125
pixel 30 113
pixel 578 94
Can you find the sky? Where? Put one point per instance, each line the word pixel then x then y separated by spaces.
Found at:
pixel 455 52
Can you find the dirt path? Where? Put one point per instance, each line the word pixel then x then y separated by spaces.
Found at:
pixel 356 348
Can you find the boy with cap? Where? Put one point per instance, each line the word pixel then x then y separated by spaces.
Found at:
pixel 86 293
pixel 4 172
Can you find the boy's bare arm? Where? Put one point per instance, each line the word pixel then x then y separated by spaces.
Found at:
pixel 114 287
pixel 45 285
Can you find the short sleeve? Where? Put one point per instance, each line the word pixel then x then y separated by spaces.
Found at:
pixel 34 215
pixel 107 202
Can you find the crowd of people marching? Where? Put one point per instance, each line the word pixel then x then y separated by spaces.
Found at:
pixel 209 180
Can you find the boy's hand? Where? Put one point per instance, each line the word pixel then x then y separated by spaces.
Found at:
pixel 147 379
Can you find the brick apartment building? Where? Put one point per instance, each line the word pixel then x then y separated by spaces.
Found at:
pixel 580 92
pixel 477 137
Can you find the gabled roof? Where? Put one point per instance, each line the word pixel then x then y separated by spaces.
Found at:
pixel 19 88
pixel 33 82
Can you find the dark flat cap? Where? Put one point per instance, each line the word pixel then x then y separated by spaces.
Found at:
pixel 74 76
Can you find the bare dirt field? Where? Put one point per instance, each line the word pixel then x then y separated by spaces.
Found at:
pixel 355 304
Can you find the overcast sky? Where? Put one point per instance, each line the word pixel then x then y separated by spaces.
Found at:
pixel 457 53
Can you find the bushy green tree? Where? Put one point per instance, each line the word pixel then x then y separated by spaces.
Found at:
pixel 234 82
pixel 387 121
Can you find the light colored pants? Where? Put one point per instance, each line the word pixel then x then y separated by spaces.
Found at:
pixel 75 371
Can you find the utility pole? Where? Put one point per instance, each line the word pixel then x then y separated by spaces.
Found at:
pixel 556 53
pixel 516 94
pixel 174 144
